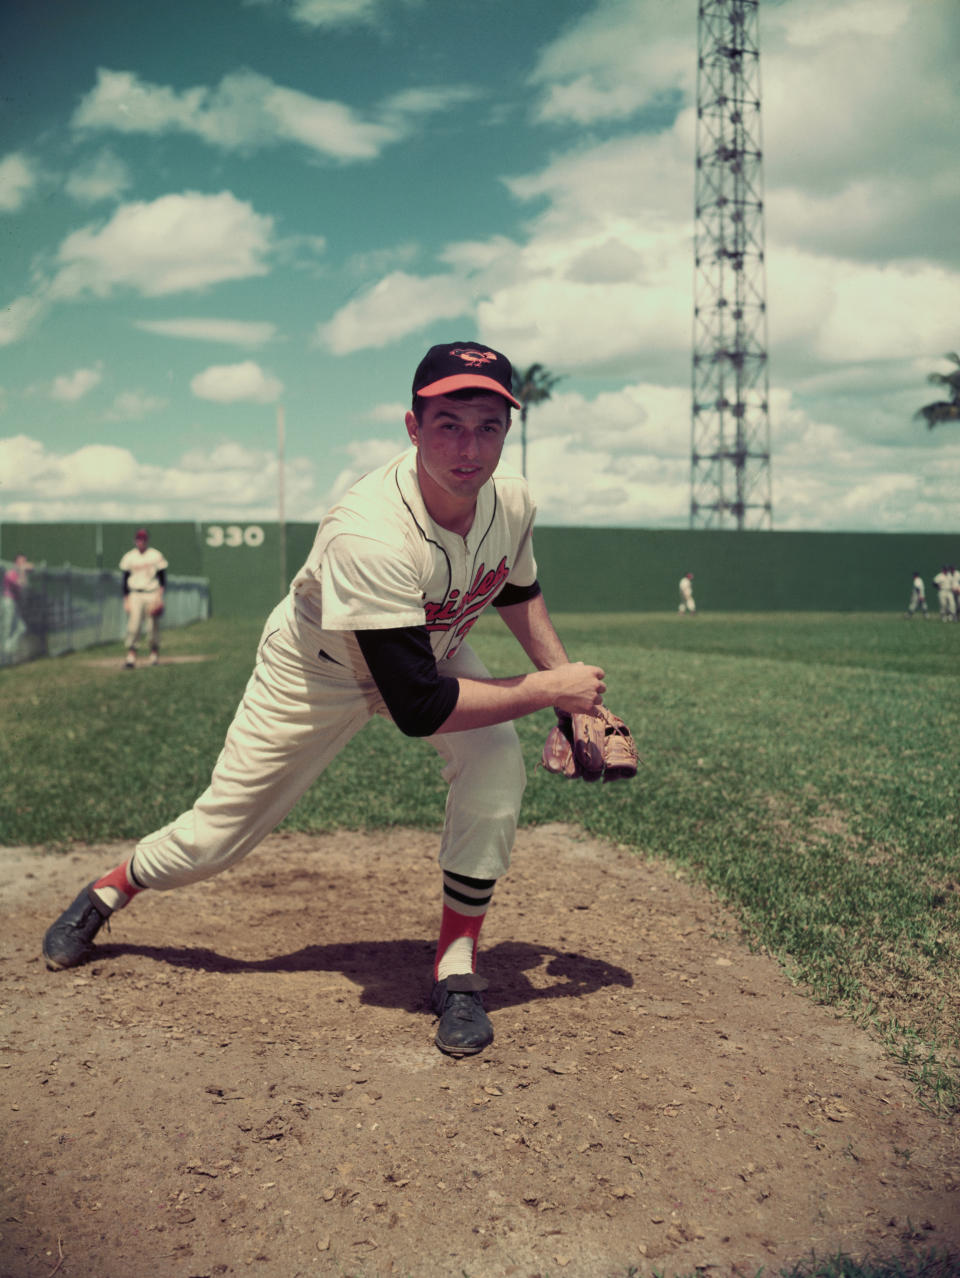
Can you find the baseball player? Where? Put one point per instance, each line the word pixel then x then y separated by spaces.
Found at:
pixel 918 596
pixel 945 597
pixel 376 622
pixel 687 603
pixel 144 581
pixel 12 624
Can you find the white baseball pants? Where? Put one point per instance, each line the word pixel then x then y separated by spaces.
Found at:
pixel 140 611
pixel 297 713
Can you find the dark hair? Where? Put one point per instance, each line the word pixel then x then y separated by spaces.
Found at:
pixel 469 392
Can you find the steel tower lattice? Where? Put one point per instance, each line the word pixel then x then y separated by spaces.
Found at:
pixel 730 479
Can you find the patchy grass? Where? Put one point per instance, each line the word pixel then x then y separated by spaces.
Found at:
pixel 802 766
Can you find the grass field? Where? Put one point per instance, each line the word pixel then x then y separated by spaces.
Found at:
pixel 803 766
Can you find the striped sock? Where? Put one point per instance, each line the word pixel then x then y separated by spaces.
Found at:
pixel 465 903
pixel 118 888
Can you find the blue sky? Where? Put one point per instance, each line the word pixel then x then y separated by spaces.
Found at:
pixel 209 210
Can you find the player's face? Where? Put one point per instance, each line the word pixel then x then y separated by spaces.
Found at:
pixel 459 443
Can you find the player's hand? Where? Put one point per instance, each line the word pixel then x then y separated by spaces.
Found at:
pixel 580 688
pixel 126 603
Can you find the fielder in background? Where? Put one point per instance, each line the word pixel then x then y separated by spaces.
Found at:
pixel 945 596
pixel 144 581
pixel 376 622
pixel 918 596
pixel 687 603
pixel 13 625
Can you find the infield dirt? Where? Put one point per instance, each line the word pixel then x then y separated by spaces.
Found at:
pixel 244 1080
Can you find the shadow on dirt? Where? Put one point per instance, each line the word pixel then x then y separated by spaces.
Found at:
pixel 396 973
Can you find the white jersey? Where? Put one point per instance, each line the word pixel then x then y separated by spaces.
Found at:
pixel 918 586
pixel 942 581
pixel 380 562
pixel 686 587
pixel 143 566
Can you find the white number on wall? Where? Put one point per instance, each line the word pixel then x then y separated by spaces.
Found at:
pixel 234 535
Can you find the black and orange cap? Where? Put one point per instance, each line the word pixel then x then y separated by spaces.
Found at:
pixel 460 365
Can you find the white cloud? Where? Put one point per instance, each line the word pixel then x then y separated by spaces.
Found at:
pixel 133 405
pixel 393 413
pixel 70 387
pixel 105 177
pixel 427 100
pixel 619 57
pixel 18 317
pixel 816 22
pixel 224 481
pixel 230 332
pixel 247 111
pixel 396 306
pixel 234 383
pixel 840 311
pixel 18 181
pixel 365 455
pixel 328 127
pixel 177 243
pixel 328 14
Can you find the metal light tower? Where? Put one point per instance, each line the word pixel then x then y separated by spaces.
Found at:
pixel 730 431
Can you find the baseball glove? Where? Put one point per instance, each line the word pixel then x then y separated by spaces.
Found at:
pixel 590 747
pixel 156 610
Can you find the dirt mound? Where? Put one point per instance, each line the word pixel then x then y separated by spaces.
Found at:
pixel 246 1076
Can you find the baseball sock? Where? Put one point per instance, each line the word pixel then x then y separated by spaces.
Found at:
pixel 118 888
pixel 465 903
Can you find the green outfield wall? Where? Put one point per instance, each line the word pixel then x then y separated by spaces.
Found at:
pixel 581 569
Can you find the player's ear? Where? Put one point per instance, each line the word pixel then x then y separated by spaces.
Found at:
pixel 412 428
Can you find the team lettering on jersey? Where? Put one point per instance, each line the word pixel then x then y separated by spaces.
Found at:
pixel 458 612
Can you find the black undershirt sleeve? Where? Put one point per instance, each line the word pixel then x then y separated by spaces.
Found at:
pixel 404 669
pixel 516 594
pixel 162 577
pixel 126 583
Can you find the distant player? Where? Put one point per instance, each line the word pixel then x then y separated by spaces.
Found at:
pixel 376 622
pixel 687 602
pixel 13 625
pixel 945 596
pixel 918 596
pixel 144 581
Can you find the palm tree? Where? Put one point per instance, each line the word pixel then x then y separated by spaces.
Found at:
pixel 942 410
pixel 531 385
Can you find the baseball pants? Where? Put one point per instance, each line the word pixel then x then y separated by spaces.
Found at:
pixel 141 605
pixel 297 713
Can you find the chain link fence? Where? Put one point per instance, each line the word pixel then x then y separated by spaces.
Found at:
pixel 66 609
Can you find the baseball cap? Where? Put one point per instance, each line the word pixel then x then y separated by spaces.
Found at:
pixel 456 366
pixel 141 532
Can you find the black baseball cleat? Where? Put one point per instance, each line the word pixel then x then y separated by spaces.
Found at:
pixel 464 1026
pixel 69 941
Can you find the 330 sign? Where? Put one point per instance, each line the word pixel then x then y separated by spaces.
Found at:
pixel 234 535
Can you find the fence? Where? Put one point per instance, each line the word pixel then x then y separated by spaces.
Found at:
pixel 65 609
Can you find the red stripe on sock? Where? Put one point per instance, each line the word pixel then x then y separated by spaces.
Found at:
pixel 452 927
pixel 121 880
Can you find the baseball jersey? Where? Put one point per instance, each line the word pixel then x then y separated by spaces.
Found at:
pixel 686 587
pixel 143 567
pixel 380 562
pixel 918 586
